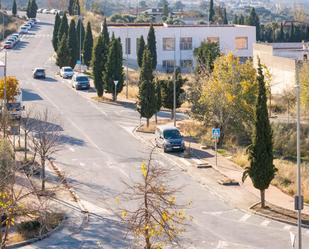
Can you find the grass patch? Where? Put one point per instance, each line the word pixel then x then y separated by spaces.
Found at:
pixel 132 92
pixel 152 126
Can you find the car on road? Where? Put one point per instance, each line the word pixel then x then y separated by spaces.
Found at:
pixel 39 73
pixel 45 11
pixel 80 81
pixel 23 30
pixel 169 138
pixel 39 10
pixel 11 39
pixel 66 72
pixel 8 44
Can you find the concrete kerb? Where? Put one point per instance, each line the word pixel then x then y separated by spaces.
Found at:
pixel 273 218
pixel 44 236
pixel 249 210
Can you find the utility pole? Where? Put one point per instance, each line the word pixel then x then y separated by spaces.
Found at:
pixel 127 70
pixel 299 201
pixel 174 91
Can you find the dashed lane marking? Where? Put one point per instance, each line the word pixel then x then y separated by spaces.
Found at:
pixel 287 227
pixel 185 161
pixel 244 217
pixel 265 223
pixel 82 164
pixel 197 161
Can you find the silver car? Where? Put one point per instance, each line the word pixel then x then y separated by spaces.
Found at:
pixel 80 81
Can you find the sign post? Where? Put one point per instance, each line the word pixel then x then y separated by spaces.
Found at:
pixel 216 136
pixel 115 82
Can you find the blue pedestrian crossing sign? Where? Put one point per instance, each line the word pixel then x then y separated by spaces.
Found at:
pixel 78 62
pixel 216 132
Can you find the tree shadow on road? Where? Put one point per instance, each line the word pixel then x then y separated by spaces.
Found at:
pixel 29 95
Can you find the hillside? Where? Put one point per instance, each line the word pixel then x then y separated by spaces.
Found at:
pixel 12 24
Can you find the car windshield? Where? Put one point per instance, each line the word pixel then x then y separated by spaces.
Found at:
pixel 68 70
pixel 40 70
pixel 171 134
pixel 82 78
pixel 11 106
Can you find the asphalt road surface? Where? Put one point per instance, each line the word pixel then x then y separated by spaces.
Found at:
pixel 100 151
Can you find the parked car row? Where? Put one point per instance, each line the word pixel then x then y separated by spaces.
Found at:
pixel 48 11
pixel 78 80
pixel 24 29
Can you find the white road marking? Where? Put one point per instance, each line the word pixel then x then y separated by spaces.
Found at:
pixel 197 161
pixel 287 227
pixel 82 164
pixel 72 149
pixel 265 223
pixel 185 161
pixel 244 217
pixel 213 213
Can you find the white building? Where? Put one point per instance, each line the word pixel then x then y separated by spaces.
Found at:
pixel 282 61
pixel 177 42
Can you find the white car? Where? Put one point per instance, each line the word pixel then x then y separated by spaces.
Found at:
pixel 45 11
pixel 23 30
pixel 66 72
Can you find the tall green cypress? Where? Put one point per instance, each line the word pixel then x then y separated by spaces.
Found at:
pixel 55 31
pixel 105 32
pixel 14 8
pixel 105 42
pixel 97 65
pixel 281 34
pixel 62 52
pixel 235 20
pixel 114 68
pixel 28 10
pixel 72 44
pixel 254 20
pixel 63 28
pixel 292 33
pixel 158 98
pixel 151 45
pixel 88 45
pixel 70 7
pixel 34 9
pixel 261 170
pixel 76 8
pixel 140 51
pixel 211 12
pixel 225 21
pixel 146 73
pixel 80 30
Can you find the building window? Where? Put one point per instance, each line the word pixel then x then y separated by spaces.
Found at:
pixel 213 40
pixel 169 44
pixel 186 63
pixel 168 65
pixel 186 43
pixel 241 43
pixel 128 45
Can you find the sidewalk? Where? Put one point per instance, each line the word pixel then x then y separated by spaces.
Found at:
pixel 229 169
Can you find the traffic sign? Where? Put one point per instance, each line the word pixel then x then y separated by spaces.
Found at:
pixel 78 62
pixel 216 132
pixel 115 82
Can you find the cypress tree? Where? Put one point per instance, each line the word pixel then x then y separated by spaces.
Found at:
pixel 14 8
pixel 72 44
pixel 55 32
pixel 307 33
pixel 235 20
pixel 80 30
pixel 76 8
pixel 28 10
pixel 62 52
pixel 105 42
pixel 168 91
pixel 254 20
pixel 114 68
pixel 151 45
pixel 261 169
pixel 241 20
pixel 97 65
pixel 165 9
pixel 140 51
pixel 211 12
pixel 225 21
pixel 70 7
pixel 63 28
pixel 292 33
pixel 146 73
pixel 281 33
pixel 34 9
pixel 88 45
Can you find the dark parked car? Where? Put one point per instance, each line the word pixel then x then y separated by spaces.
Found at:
pixel 169 138
pixel 39 73
pixel 80 81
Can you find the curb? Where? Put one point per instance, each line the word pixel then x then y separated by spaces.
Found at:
pixel 273 218
pixel 72 192
pixel 44 236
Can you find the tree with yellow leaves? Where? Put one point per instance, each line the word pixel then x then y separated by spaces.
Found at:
pixel 227 97
pixel 156 219
pixel 12 88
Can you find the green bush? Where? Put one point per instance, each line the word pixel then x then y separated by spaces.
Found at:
pixel 32 225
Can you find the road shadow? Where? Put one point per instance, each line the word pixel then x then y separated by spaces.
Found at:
pixel 29 95
pixel 36 126
pixel 45 24
pixel 49 79
pixel 20 45
pixel 65 139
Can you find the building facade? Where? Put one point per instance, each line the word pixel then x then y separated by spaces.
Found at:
pixel 176 43
pixel 282 61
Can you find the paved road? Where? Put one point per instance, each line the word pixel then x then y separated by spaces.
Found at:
pixel 100 150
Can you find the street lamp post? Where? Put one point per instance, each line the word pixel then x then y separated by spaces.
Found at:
pixel 127 64
pixel 116 83
pixel 174 85
pixel 299 201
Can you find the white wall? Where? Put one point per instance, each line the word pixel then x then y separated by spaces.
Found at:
pixel 226 34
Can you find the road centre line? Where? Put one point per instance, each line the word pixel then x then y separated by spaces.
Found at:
pixel 245 217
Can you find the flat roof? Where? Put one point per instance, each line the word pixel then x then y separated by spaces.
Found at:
pixel 137 25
